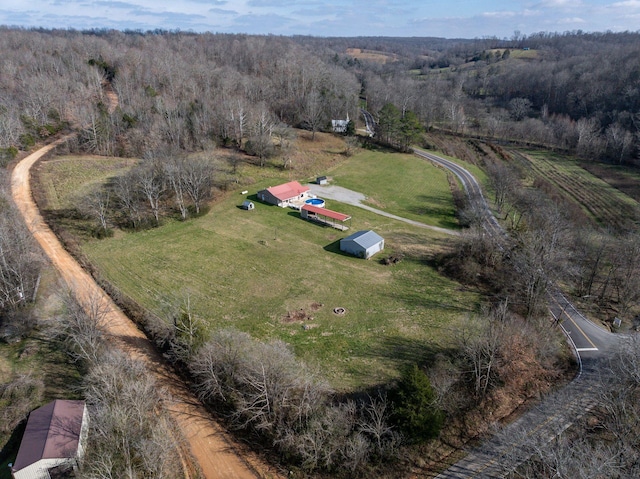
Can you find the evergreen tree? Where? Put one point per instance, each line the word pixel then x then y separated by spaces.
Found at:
pixel 410 130
pixel 389 123
pixel 413 406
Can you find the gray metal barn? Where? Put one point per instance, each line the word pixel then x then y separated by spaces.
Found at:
pixel 363 244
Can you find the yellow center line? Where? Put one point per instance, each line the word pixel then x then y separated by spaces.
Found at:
pixel 581 331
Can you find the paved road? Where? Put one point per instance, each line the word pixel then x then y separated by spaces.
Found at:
pixel 514 444
pixel 471 187
pixel 369 121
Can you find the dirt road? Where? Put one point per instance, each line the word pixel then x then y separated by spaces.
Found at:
pixel 213 450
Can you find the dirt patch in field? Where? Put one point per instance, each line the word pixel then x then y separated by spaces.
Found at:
pixel 297 316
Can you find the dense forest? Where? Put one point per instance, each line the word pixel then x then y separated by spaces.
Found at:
pixel 160 96
pixel 576 92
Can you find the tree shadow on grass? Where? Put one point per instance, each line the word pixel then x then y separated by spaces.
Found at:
pixel 439 207
pixel 402 349
pixel 399 351
pixel 419 299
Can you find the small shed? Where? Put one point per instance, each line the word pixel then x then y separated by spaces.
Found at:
pixel 363 244
pixel 322 180
pixel 53 440
pixel 248 205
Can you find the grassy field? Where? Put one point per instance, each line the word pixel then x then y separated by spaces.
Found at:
pixel 274 275
pixel 622 178
pixel 606 205
pixel 74 176
pixel 400 184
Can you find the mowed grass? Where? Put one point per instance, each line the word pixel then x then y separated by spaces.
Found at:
pixel 273 275
pixel 67 178
pixel 606 205
pixel 402 184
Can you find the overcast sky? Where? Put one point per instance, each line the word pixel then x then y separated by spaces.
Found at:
pixel 450 19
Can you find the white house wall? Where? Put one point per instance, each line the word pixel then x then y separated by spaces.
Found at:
pixel 39 470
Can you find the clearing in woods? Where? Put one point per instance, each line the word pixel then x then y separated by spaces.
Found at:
pixel 254 270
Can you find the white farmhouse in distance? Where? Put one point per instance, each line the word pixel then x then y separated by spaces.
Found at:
pixel 340 126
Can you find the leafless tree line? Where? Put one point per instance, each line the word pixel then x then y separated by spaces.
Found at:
pixel 20 265
pixel 265 389
pixel 550 241
pixel 175 91
pixel 128 437
pixel 155 187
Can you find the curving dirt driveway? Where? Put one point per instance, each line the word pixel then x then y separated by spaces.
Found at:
pixel 213 450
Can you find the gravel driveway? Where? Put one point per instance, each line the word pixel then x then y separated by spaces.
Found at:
pixel 350 197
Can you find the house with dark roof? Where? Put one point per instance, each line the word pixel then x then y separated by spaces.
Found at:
pixel 53 441
pixel 363 244
pixel 287 194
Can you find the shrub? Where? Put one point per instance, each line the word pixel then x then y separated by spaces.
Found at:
pixel 413 405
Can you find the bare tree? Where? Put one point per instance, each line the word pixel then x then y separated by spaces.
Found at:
pixel 19 395
pixel 479 344
pixel 285 136
pixel 503 181
pixel 127 435
pixel 96 204
pixel 152 185
pixel 127 193
pixel 81 327
pixel 260 142
pixel 313 113
pixel 589 139
pixel 20 260
pixel 197 181
pixel 619 142
pixel 174 171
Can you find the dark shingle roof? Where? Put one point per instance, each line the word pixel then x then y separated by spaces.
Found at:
pixel 53 431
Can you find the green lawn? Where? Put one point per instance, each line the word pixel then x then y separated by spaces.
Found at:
pixel 253 269
pixel 67 178
pixel 401 184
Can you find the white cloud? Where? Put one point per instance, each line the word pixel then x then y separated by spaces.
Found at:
pixel 504 14
pixel 571 21
pixel 561 4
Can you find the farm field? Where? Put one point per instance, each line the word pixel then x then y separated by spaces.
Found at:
pixel 604 204
pixel 274 275
pixel 620 177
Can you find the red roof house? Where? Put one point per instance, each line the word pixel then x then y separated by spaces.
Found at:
pixel 284 195
pixel 53 440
